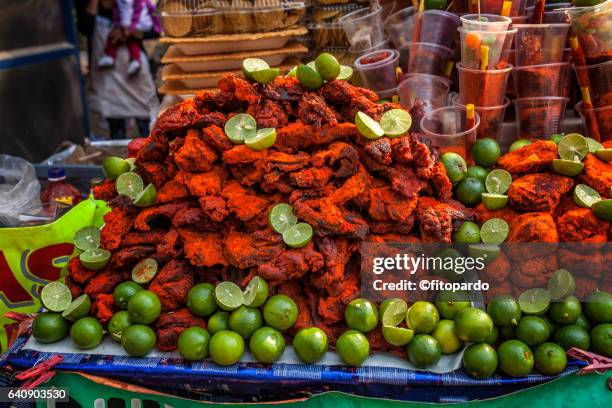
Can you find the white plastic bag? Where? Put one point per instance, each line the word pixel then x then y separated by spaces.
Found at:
pixel 19 189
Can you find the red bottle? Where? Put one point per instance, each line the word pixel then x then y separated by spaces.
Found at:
pixel 58 190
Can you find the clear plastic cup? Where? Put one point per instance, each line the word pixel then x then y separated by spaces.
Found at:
pixel 491 118
pixel 437 27
pixel 495 7
pixel 444 129
pixel 539 117
pixel 424 58
pixel 519 20
pixel 485 22
pixel 421 93
pixel 498 43
pixel 537 44
pixel 592 26
pixel 553 13
pixel 356 52
pixel 597 122
pixel 363 27
pixel 483 88
pixel 598 79
pixel 542 80
pixel 377 70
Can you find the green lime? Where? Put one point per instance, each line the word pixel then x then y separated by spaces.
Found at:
pixel 488 252
pixel 572 336
pixel 298 236
pixel 565 311
pixel 598 307
pixel 328 66
pixel 123 292
pixel 55 296
pixel 473 325
pixel 312 64
pixel 368 127
pixel 604 154
pixel 132 163
pixel 310 344
pixel 568 168
pixel 494 231
pixel 450 302
pixel 517 144
pixel 49 327
pixel 498 181
pixel 118 323
pixel 601 339
pixel 138 340
pixel 265 76
pixel 147 197
pixel 455 166
pixel 256 292
pixel 583 321
pixel 395 122
pixel 397 336
pixel 240 127
pixel 280 312
pixel 504 310
pixel 561 284
pixel 201 299
pixel 346 73
pixel 468 233
pixel 594 145
pixel 515 358
pixel 480 360
pixel 394 312
pixel 486 152
pixel 603 209
pixel 86 333
pixel 218 321
pixel 267 345
pixel 292 73
pixel 573 147
pixel 550 359
pixel 494 202
pixel 477 172
pixel 144 307
pixel 250 65
pixel 436 4
pixel 362 315
pixel 534 301
pixel 87 238
pixel 95 259
pixel 113 167
pixel 78 308
pixel 245 320
pixel 532 330
pixel 263 139
pixel 422 317
pixel 552 326
pixel 423 351
pixel 193 343
pixel 226 347
pixel 352 347
pixel 469 191
pixel 229 296
pixel 492 339
pixel 281 217
pixel 309 77
pixel 129 184
pixel 446 336
pixel 585 196
pixel 144 271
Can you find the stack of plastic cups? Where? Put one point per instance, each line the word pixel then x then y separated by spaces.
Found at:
pixel 484 71
pixel 377 70
pixel 593 66
pixel 422 93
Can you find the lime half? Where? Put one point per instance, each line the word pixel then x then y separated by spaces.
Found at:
pixel 534 301
pixel 298 236
pixel 585 196
pixel 604 154
pixel 489 252
pixel 395 122
pixel 494 201
pixel 256 292
pixel 55 296
pixel 145 271
pixel 494 231
pixel 603 209
pixel 281 217
pixel 240 127
pixel 87 238
pixel 250 65
pixel 130 184
pixel 263 139
pixel 498 181
pixel 309 77
pixel 568 168
pixel 113 167
pixel 95 259
pixel 78 308
pixel 397 336
pixel 394 313
pixel 368 127
pixel 346 73
pixel 229 296
pixel 561 284
pixel 573 147
pixel 594 145
pixel 147 197
pixel 265 76
pixel 292 72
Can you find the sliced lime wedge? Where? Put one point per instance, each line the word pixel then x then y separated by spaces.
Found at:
pixel 78 308
pixel 594 145
pixel 568 168
pixel 368 127
pixel 265 76
pixel 256 292
pixel 498 181
pixel 229 296
pixel 56 296
pixel 281 217
pixel 494 201
pixel 346 73
pixel 397 336
pixel 603 209
pixel 394 313
pixel 494 231
pixel 292 72
pixel 129 184
pixel 395 122
pixel 250 65
pixel 113 167
pixel 298 236
pixel 240 127
pixel 263 139
pixel 144 271
pixel 95 259
pixel 561 284
pixel 309 77
pixel 87 238
pixel 534 301
pixel 604 154
pixel 312 65
pixel 147 197
pixel 585 196
pixel 573 147
pixel 132 162
pixel 328 66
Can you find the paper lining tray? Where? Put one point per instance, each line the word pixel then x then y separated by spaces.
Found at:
pixel 228 62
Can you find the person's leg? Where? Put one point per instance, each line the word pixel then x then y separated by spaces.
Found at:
pixel 143 127
pixel 133 45
pixel 116 127
pixel 110 53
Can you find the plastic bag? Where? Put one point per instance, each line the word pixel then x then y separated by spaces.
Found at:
pixel 19 189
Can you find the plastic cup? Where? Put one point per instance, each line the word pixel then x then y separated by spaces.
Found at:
pixel 377 70
pixel 519 20
pixel 424 58
pixel 599 77
pixel 421 93
pixel 485 22
pixel 495 7
pixel 483 88
pixel 437 27
pixel 542 80
pixel 553 13
pixel 592 26
pixel 537 44
pixel 539 117
pixel 498 42
pixel 357 52
pixel 444 129
pixel 597 122
pixel 491 119
pixel 363 27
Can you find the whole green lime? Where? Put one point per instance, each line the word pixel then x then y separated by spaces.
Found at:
pixel 310 344
pixel 598 307
pixel 49 327
pixel 473 325
pixel 492 339
pixel 515 358
pixel 455 166
pixel 86 333
pixel 267 344
pixel 450 302
pixel 353 347
pixel 245 320
pixel 486 152
pixel 446 336
pixel 601 339
pixel 532 330
pixel 423 351
pixel 138 340
pixel 124 291
pixel 422 317
pixel 480 360
pixel 218 321
pixel 362 315
pixel 565 311
pixel 477 172
pixel 550 359
pixel 572 336
pixel 518 144
pixel 504 310
pixel 144 307
pixel 193 343
pixel 118 323
pixel 583 321
pixel 201 299
pixel 280 312
pixel 469 191
pixel 226 347
pixel 468 233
